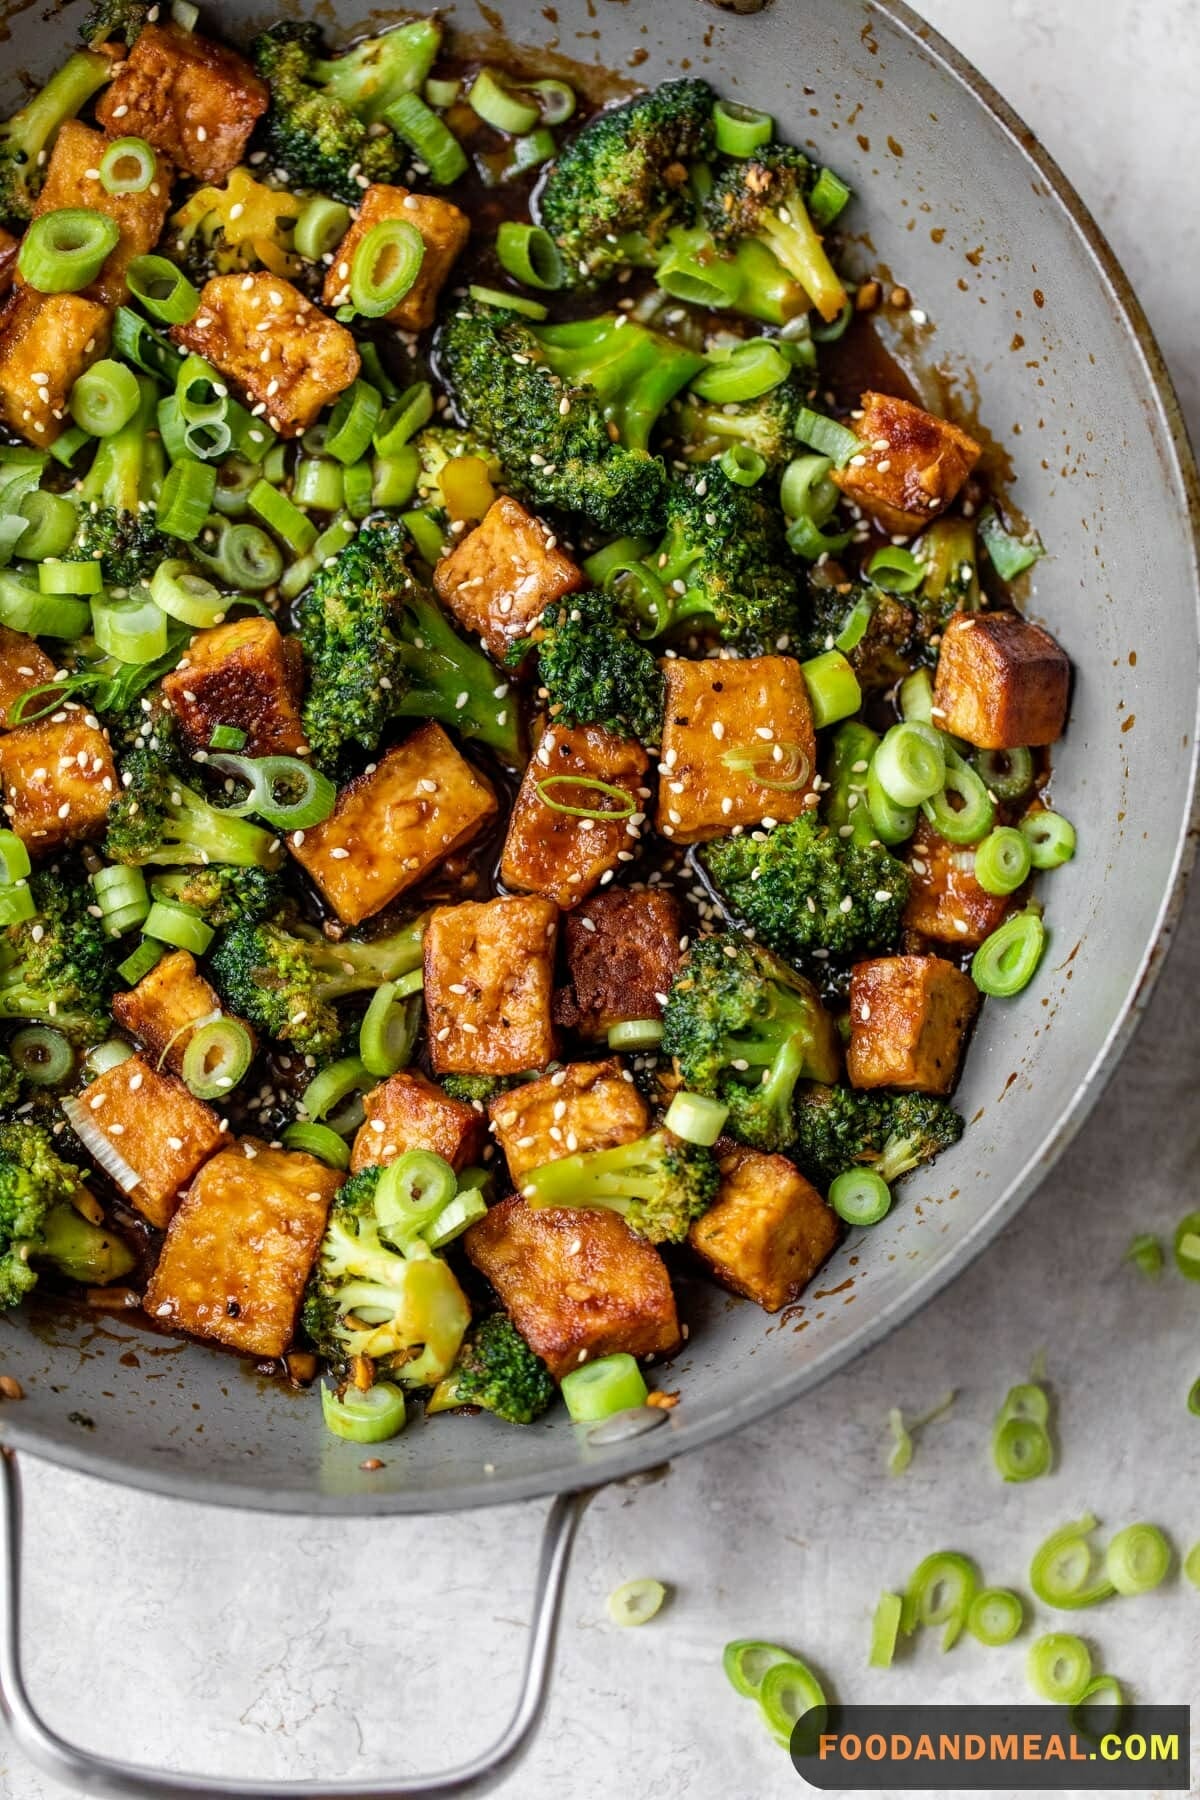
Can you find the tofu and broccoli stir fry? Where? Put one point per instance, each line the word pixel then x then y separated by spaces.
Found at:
pixel 516 778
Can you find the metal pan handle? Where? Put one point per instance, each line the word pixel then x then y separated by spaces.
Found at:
pixel 102 1778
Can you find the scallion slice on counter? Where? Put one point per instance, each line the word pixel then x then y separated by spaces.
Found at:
pixel 1063 1572
pixel 636 1602
pixel 1146 1253
pixel 885 1630
pixel 995 1616
pixel 1060 1667
pixel 940 1592
pixel 787 1691
pixel 746 1660
pixel 1137 1559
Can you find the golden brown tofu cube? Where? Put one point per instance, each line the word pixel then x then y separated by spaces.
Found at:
pixel 421 802
pixel 58 780
pixel 407 1112
pixel 622 951
pixel 10 247
pixel 499 579
pixel 161 1132
pixel 245 674
pixel 577 1283
pixel 586 1106
pixel 1001 682
pixel 553 853
pixel 945 902
pixel 239 1250
pixel 194 100
pixel 444 232
pixel 166 1006
pixel 909 1019
pixel 768 1231
pixel 283 353
pixel 73 179
pixel 910 467
pixel 717 714
pixel 489 970
pixel 46 342
pixel 24 666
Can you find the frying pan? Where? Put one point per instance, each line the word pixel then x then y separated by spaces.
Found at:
pixel 1032 327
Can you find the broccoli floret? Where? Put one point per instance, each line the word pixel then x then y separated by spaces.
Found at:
pixel 39 1223
pixel 889 647
pixel 378 1291
pixel 472 1088
pixel 497 1370
pixel 223 894
pixel 511 381
pixel 286 977
pixel 438 445
pixel 10 1082
pixel 949 550
pixel 118 522
pixel 844 807
pixel 793 886
pixel 743 1027
pixel 110 19
pixel 54 968
pixel 156 818
pixel 837 1128
pixel 703 429
pixel 26 138
pixel 763 196
pixel 658 1184
pixel 595 673
pixel 625 175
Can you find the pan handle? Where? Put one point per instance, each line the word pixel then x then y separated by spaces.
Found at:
pixel 103 1778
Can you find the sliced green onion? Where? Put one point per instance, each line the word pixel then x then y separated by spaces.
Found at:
pixel 385 267
pixel 1061 1567
pixel 1187 1246
pixel 134 630
pixel 105 397
pixel 315 796
pixel 636 1602
pixel 163 289
pixel 227 737
pixel 441 92
pixel 827 436
pixel 1060 1667
pixel 50 525
pixel 556 100
pixel 358 482
pixel 613 558
pixel 387 1035
pixel 426 534
pixel 14 859
pixel 858 621
pixel 940 1592
pixel 203 397
pixel 16 904
pixel 809 500
pixel 403 417
pixel 696 1118
pixel 32 610
pixel 184 14
pixel 885 1630
pixel 967 823
pixel 1002 861
pixel 1021 1449
pixel 491 96
pixel 698 277
pixel 635 1034
pixel 245 558
pixel 320 227
pixel 1109 1686
pixel 56 577
pixel 833 689
pixel 253 438
pixel 42 1056
pixel 172 923
pixel 68 444
pixel 518 303
pixel 186 497
pixel 1005 773
pixel 364 1418
pixel 1050 837
pixel 744 373
pixel 1028 1400
pixel 784 768
pixel 436 145
pixel 394 481
pixel 1006 961
pixel 331 543
pixel 1009 556
pixel 64 251
pixel 828 198
pixel 317 484
pixel 338 1082
pixel 186 596
pixel 128 166
pixel 208 439
pixel 534 149
pixel 146 348
pixel 171 429
pixel 995 1616
pixel 1137 1559
pixel 787 1691
pixel 896 570
pixel 916 698
pixel 529 255
pixel 624 808
pixel 277 513
pixel 743 466
pixel 274 466
pixel 216 1058
pixel 317 1140
pixel 746 1660
pixel 1193 1401
pixel 596 1390
pixel 1191 1565
pixel 860 1197
pixel 353 420
pixel 108 1055
pixel 140 961
pixel 910 763
pixel 1146 1253
pixel 466 1209
pixel 740 130
pixel 122 897
pixel 413 1191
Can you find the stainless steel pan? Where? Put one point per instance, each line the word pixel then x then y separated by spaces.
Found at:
pixel 1034 327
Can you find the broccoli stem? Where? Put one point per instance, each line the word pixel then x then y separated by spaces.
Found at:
pixel 599 1178
pixel 454 683
pixel 353 966
pixel 634 372
pixel 900 1154
pixel 31 131
pixel 370 77
pixel 205 834
pixel 795 244
pixel 83 1252
pixel 128 467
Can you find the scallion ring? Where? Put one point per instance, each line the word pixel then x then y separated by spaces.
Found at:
pixel 974 818
pixel 856 626
pixel 466 1209
pixel 492 97
pixel 1005 773
pixel 108 1055
pixel 699 278
pixel 741 130
pixel 1187 1246
pixel 163 289
pixel 246 558
pixel 833 689
pixel 636 1602
pixel 1137 1559
pixel 314 795
pixel 1006 962
pixel 910 763
pixel 1021 1449
pixel 412 1192
pixel 1191 1565
pixel 64 251
pixel 122 896
pixel 916 701
pixel 202 395
pixel 388 1033
pixel 316 1140
pixel 784 768
pixel 55 577
pixel 625 806
pixel 184 595
pixel 860 1197
pixel 995 1616
pixel 402 418
pixel 828 197
pixel 50 525
pixel 133 630
pixel 695 1118
pixel 353 421
pixel 186 497
pixel 896 570
pixel 743 466
pixel 556 100
pixel 335 1084
pixel 744 373
pixel 14 859
pixel 635 1034
pixel 37 612
pixel 140 961
pixel 278 514
pixel 317 484
pixel 530 255
pixel 385 267
pixel 746 1660
pixel 1146 1253
pixel 216 1058
pixel 1050 837
pixel 1002 861
pixel 417 125
pixel 596 1390
pixel 885 1630
pixel 827 436
pixel 364 1418
pixel 940 1592
pixel 1060 1667
pixel 16 904
pixel 393 484
pixel 128 166
pixel 105 397
pixel 358 483
pixel 320 227
pixel 170 922
pixel 42 1056
pixel 1063 1565
pixel 208 439
pixel 1111 1706
pixel 518 303
pixel 787 1691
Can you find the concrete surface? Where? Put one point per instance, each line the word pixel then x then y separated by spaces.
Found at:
pixel 247 1646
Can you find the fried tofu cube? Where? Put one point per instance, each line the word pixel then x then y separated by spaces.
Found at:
pixel 420 803
pixel 46 342
pixel 622 951
pixel 10 247
pixel 166 1007
pixel 58 780
pixel 239 1250
pixel 407 1112
pixel 24 666
pixel 909 1019
pixel 244 673
pixel 444 232
pixel 1001 682
pixel 717 714
pixel 586 1106
pixel 767 1233
pixel 489 971
pixel 73 179
pixel 578 1284
pixel 910 467
pixel 194 100
pixel 499 579
pixel 160 1130
pixel 280 350
pixel 945 902
pixel 553 853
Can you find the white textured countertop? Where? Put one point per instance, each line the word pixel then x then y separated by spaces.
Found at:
pixel 168 1632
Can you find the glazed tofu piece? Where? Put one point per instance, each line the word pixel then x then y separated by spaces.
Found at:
pixel 586 1106
pixel 9 248
pixel 166 1007
pixel 58 780
pixel 160 1130
pixel 407 1112
pixel 239 1250
pixel 73 179
pixel 622 951
pixel 194 100
pixel 499 579
pixel 444 232
pixel 489 970
pixel 46 342
pixel 909 1019
pixel 768 1231
pixel 420 803
pixel 554 854
pixel 945 902
pixel 911 465
pixel 717 712
pixel 280 350
pixel 24 666
pixel 578 1284
pixel 1001 682
pixel 244 673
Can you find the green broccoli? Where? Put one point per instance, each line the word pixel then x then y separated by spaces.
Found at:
pixel 744 1028
pixel 118 522
pixel 110 19
pixel 844 806
pixel 837 1128
pixel 497 1370
pixel 438 445
pixel 285 977
pixel 26 139
pixel 889 647
pixel 763 197
pixel 379 1291
pixel 593 672
pixel 658 1184
pixel 950 552
pixel 223 893
pixel 10 1082
pixel 807 891
pixel 39 1223
pixel 156 818
pixel 475 1088
pixel 54 968
pixel 702 429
